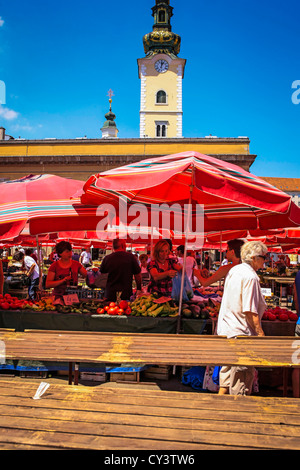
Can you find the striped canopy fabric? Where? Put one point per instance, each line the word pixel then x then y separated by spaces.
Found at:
pixel 44 204
pixel 232 198
pixel 47 204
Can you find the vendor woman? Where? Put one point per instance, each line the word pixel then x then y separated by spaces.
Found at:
pixel 64 272
pixel 162 269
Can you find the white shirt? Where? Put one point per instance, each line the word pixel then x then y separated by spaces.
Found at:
pixel 190 264
pixel 242 293
pixel 86 257
pixel 29 261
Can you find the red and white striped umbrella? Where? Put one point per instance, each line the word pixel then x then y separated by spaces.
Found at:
pixel 232 198
pixel 44 204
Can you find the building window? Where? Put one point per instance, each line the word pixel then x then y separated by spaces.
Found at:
pixel 161 97
pixel 161 16
pixel 161 129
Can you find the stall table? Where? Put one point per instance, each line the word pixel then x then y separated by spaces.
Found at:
pixel 123 419
pixel 21 320
pixel 281 281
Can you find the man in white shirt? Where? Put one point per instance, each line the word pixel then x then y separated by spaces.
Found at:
pixel 86 258
pixel 240 314
pixel 32 271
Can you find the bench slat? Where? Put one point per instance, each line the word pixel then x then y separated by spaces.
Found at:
pixel 104 418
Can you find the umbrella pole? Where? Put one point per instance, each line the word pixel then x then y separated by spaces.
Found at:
pixel 184 257
pixel 39 262
pixel 221 255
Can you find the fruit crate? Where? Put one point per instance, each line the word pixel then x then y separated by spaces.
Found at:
pixel 126 373
pixel 158 372
pixel 133 377
pixel 88 294
pixel 93 376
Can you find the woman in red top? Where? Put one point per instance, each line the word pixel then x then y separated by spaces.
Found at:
pixel 64 272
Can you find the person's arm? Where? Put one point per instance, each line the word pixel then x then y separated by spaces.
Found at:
pixel 296 299
pixel 50 280
pixel 254 323
pixel 217 276
pixel 30 270
pixel 177 267
pixel 159 276
pixel 83 271
pixel 138 281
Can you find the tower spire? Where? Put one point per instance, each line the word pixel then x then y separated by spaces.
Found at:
pixel 109 128
pixel 161 39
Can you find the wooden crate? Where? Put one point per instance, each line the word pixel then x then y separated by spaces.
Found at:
pixel 158 372
pixel 133 377
pixel 93 376
pixel 33 374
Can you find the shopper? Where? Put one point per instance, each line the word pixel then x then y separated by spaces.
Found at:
pixel 233 256
pixel 32 272
pixel 86 258
pixel 162 269
pixel 190 263
pixel 240 314
pixel 65 271
pixel 281 265
pixel 121 268
pixel 5 259
pixel 207 261
pixel 143 259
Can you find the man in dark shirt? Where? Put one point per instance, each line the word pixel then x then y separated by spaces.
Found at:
pixel 121 267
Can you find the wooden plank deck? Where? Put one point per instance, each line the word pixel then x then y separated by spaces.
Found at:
pixel 161 349
pixel 101 418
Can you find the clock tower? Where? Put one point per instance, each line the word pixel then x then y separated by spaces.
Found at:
pixel 161 72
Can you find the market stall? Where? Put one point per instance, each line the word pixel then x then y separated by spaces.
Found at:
pixel 230 197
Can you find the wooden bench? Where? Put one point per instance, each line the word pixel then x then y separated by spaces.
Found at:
pixel 106 418
pixel 155 349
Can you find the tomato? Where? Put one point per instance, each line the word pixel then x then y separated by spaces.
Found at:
pixel 112 304
pixel 128 311
pixel 283 317
pixel 120 311
pixel 100 310
pixel 112 311
pixel 5 305
pixel 123 304
pixel 106 308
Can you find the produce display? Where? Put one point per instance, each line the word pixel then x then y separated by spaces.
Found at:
pixel 205 304
pixel 151 306
pixel 278 313
pixel 9 302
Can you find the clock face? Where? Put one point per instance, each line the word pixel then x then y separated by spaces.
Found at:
pixel 161 65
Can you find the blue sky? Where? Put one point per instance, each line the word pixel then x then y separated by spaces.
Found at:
pixel 58 59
